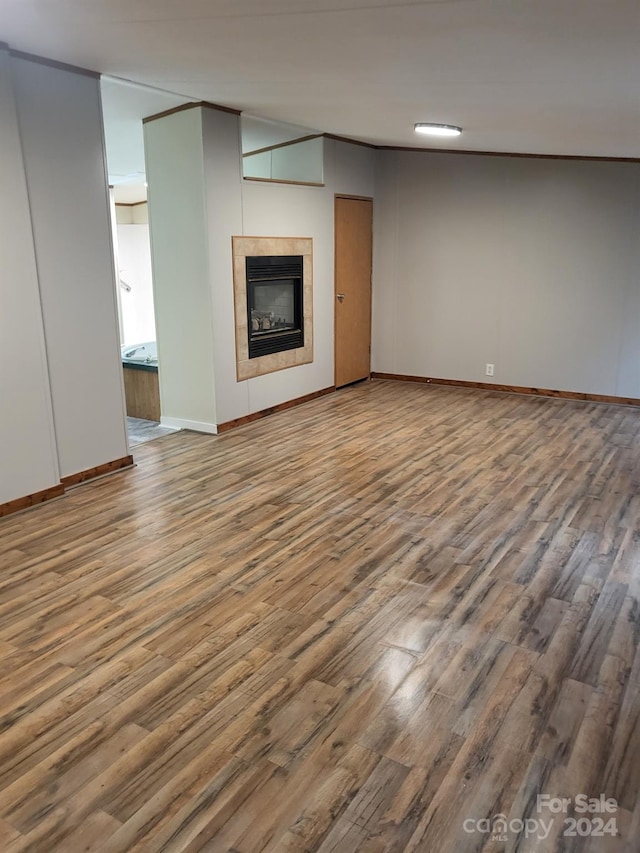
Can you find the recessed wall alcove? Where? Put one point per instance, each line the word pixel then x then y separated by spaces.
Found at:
pixel 253 320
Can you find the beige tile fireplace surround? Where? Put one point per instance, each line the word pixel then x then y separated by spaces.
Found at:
pixel 244 247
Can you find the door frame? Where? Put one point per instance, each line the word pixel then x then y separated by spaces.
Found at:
pixel 337 196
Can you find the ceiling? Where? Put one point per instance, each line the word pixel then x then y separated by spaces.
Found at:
pixel 536 76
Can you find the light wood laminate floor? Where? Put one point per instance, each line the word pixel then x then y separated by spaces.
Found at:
pixel 364 624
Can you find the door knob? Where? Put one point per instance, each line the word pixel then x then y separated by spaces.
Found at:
pixel 340 296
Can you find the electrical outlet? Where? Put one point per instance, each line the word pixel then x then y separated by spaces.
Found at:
pixel 490 368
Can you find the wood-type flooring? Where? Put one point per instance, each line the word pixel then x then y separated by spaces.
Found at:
pixel 372 623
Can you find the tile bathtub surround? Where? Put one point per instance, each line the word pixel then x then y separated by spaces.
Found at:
pixel 243 247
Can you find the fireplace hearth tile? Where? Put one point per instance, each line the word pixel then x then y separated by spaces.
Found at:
pixel 243 247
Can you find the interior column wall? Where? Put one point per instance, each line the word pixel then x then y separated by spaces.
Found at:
pixel 179 233
pixel 62 142
pixel 197 202
pixel 61 394
pixel 223 184
pixel 28 461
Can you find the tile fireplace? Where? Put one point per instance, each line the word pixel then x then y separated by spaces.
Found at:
pixel 273 302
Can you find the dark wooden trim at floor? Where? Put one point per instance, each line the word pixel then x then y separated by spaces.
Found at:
pixel 19 504
pixel 27 501
pixel 255 416
pixel 98 471
pixel 512 389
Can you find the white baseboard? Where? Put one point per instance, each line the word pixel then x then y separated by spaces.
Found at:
pixel 197 426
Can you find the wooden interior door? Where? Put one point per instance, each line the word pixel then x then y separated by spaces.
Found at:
pixel 353 247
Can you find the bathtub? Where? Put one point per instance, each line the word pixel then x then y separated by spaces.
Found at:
pixel 140 366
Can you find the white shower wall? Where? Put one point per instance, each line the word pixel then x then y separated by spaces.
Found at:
pixel 134 261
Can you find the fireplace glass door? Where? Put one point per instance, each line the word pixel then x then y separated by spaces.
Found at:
pixel 274 304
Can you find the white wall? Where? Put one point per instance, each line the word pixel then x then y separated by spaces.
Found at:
pixel 257 165
pixel 28 462
pixel 134 262
pixel 281 210
pixel 529 264
pixel 63 148
pixel 223 170
pixel 191 218
pixel 61 396
pixel 176 197
pixel 302 161
pixel 199 149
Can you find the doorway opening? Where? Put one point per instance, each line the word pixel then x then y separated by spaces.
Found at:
pixel 124 105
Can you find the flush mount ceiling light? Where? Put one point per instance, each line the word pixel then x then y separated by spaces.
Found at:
pixel 437 129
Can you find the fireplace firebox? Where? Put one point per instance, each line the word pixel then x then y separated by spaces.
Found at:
pixel 274 304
